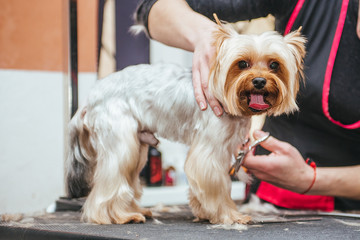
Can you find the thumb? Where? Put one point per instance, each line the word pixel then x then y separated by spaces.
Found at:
pixel 271 144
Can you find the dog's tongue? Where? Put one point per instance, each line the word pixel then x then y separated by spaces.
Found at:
pixel 257 102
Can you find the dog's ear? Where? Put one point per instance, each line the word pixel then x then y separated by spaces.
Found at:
pixel 223 32
pixel 223 28
pixel 217 19
pixel 219 36
pixel 296 43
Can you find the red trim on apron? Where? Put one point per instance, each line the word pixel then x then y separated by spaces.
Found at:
pixel 331 60
pixel 287 199
pixel 293 16
pixel 330 66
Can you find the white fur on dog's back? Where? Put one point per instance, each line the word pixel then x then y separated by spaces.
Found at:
pixel 163 92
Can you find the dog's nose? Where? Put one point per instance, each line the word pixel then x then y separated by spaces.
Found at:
pixel 259 82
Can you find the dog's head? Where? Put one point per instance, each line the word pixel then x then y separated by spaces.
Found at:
pixel 254 74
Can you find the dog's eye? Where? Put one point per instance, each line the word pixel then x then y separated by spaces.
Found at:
pixel 274 65
pixel 243 64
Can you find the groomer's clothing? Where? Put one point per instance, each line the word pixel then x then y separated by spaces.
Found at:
pixel 327 127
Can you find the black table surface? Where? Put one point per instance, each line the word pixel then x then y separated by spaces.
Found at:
pixel 176 222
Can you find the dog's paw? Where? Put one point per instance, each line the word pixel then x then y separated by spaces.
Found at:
pixel 237 217
pixel 146 212
pixel 197 220
pixel 234 217
pixel 244 219
pixel 130 218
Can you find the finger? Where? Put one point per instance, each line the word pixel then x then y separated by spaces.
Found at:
pixel 213 102
pixel 256 162
pixel 199 95
pixel 271 144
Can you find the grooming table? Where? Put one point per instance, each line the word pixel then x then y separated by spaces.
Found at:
pixel 176 222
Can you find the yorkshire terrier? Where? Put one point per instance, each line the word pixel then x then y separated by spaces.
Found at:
pixel 126 111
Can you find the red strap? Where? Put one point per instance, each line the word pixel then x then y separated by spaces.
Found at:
pixel 287 199
pixel 312 164
pixel 293 16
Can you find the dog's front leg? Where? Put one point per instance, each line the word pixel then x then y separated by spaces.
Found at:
pixel 207 168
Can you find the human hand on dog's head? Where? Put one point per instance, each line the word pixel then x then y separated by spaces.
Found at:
pixel 283 167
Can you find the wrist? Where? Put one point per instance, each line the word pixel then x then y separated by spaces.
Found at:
pixel 312 164
pixel 202 31
pixel 175 24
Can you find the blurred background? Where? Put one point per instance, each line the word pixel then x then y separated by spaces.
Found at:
pixel 51 52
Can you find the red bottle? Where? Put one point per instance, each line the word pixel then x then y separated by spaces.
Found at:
pixel 154 168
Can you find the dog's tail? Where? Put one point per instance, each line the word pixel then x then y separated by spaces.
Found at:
pixel 80 159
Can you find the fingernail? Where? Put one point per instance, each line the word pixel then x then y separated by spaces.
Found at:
pixel 217 111
pixel 202 106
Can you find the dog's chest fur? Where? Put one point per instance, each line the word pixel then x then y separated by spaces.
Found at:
pixel 160 98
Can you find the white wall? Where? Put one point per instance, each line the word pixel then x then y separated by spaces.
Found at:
pixel 162 53
pixel 32 138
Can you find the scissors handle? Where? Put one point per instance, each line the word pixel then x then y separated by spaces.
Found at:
pixel 258 141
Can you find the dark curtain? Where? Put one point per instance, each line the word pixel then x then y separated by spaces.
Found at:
pixel 130 50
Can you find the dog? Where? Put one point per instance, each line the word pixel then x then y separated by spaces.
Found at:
pixel 127 111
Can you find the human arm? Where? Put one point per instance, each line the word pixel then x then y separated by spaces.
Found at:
pixel 285 167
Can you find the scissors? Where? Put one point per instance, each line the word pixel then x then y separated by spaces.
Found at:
pixel 242 153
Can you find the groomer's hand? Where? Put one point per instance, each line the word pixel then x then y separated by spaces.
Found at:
pixel 203 53
pixel 283 167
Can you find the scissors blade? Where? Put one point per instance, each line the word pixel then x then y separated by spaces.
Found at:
pixel 238 162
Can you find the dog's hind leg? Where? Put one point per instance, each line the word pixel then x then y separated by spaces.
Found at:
pixel 80 159
pixel 111 199
pixel 136 185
